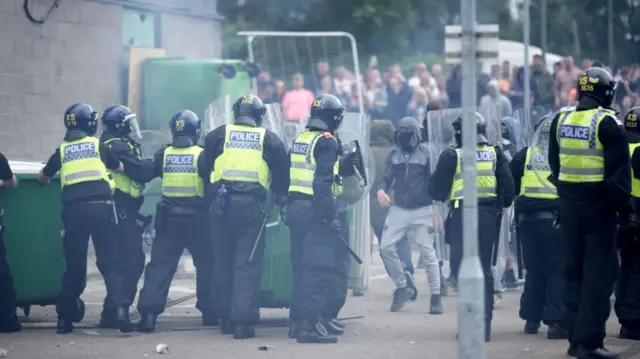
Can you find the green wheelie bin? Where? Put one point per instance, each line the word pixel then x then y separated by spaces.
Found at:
pixel 33 232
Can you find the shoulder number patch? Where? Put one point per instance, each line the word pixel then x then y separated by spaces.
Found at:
pixel 327 135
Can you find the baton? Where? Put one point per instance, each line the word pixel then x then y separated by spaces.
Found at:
pixel 519 248
pixel 496 241
pixel 255 244
pixel 353 254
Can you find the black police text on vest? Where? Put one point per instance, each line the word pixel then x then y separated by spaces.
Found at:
pixel 244 136
pixel 574 132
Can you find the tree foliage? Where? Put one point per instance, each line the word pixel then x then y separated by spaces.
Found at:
pixel 392 29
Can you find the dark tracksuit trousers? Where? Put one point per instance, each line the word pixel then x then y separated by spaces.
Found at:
pixel 589 231
pixel 544 257
pixel 627 304
pixel 236 283
pixel 487 233
pixel 131 254
pixel 174 233
pixel 81 221
pixel 7 293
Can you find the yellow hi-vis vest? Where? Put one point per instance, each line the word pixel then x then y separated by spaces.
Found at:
pixel 241 159
pixel 303 164
pixel 81 162
pixel 533 186
pixel 581 153
pixel 635 183
pixel 486 159
pixel 123 182
pixel 180 172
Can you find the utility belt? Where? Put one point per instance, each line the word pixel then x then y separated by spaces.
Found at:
pixel 306 203
pixel 165 213
pixel 537 215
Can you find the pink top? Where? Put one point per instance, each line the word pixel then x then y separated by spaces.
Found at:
pixel 297 104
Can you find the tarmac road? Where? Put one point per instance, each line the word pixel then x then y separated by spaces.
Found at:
pixel 410 334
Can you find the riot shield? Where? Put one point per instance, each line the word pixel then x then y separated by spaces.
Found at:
pixel 218 113
pixel 540 152
pixel 273 120
pixel 293 129
pixel 151 142
pixel 528 120
pixel 354 136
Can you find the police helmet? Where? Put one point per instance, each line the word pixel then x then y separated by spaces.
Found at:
pixel 598 84
pixel 632 120
pixel 249 110
pixel 327 113
pixel 185 123
pixel 120 120
pixel 81 117
pixel 481 128
pixel 540 122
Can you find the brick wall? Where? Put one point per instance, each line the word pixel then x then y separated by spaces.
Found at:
pixel 73 57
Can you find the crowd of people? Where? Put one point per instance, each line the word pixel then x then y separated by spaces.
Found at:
pixel 391 94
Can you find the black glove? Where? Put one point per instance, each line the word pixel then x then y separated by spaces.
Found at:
pixel 284 213
pixel 352 159
pixel 630 227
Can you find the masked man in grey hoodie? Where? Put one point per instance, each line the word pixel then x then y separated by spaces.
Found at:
pixel 407 174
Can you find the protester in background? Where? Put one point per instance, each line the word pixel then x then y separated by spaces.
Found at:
pixel 342 83
pixel 443 96
pixel 586 63
pixel 506 71
pixel 322 70
pixel 416 80
pixel 454 87
pixel 544 79
pixel 399 96
pixel 297 102
pixel 416 108
pixel 494 104
pixel 377 98
pixel 265 87
pixel 279 90
pixel 566 79
pixel 516 93
pixel 436 72
pixel 326 86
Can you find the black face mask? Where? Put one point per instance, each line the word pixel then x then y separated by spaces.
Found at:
pixel 407 140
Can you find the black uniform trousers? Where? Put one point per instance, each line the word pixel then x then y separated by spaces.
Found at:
pixel 174 234
pixel 627 304
pixel 131 254
pixel 339 286
pixel 589 231
pixel 322 287
pixel 543 252
pixel 487 233
pixel 81 221
pixel 7 292
pixel 236 283
pixel 298 220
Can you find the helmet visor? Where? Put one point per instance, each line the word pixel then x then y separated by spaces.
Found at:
pixel 132 121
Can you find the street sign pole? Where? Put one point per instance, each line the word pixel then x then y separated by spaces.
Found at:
pixel 471 325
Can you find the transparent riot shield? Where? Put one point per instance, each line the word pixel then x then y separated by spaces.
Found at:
pixel 528 120
pixel 274 121
pixel 512 135
pixel 540 152
pixel 293 129
pixel 218 113
pixel 354 136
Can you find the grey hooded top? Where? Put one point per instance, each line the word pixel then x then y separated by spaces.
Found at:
pixel 407 174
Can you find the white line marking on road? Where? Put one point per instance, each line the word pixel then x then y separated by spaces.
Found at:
pixel 376 277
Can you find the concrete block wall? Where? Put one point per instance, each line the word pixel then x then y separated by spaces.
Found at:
pixel 74 57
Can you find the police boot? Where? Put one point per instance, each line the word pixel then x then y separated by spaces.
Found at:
pixel 532 326
pixel 209 320
pixel 227 326
pixel 315 333
pixel 581 352
pixel 294 330
pixel 10 325
pixel 108 319
pixel 124 323
pixel 435 306
pixel 334 327
pixel 64 326
pixel 557 332
pixel 628 332
pixel 79 311
pixel 147 323
pixel 244 332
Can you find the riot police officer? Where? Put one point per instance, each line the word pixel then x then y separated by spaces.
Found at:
pixel 628 287
pixel 318 231
pixel 8 319
pixel 242 162
pixel 181 222
pixel 542 245
pixel 495 192
pixel 589 160
pixel 120 125
pixel 88 211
